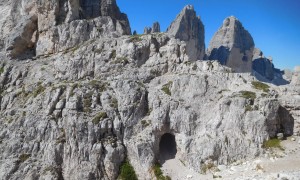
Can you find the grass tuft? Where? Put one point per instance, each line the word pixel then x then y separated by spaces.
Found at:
pixel 99 117
pixel 24 157
pixel 260 86
pixel 127 171
pixel 248 94
pixel 272 143
pixel 166 88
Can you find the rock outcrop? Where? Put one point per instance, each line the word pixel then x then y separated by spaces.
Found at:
pixel 155 27
pixel 232 45
pixel 189 28
pixel 45 27
pixel 296 76
pixel 263 65
pixel 147 30
pixel 80 112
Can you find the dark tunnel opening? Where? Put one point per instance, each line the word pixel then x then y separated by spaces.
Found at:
pixel 167 147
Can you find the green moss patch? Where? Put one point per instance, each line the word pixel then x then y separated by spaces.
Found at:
pixel 166 88
pixel 248 94
pixel 99 117
pixel 260 86
pixel 272 143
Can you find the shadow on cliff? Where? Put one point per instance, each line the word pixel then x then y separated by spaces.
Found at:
pixel 278 80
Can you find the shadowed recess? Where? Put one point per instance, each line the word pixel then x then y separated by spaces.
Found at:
pixel 167 147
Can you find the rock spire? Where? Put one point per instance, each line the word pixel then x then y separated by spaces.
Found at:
pixel 189 28
pixel 232 45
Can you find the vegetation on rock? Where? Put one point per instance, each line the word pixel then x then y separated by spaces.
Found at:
pixel 260 86
pixel 127 171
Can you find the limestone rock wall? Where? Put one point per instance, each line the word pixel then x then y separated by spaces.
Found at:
pixel 78 114
pixel 33 27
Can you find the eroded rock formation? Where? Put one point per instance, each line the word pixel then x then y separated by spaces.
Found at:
pixel 80 112
pixel 45 27
pixel 232 45
pixel 189 28
pixel 263 65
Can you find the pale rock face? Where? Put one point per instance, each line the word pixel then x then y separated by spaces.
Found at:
pixel 232 45
pixel 189 28
pixel 296 76
pixel 50 110
pixel 44 27
pixel 80 112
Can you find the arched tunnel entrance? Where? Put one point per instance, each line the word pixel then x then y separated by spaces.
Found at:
pixel 167 147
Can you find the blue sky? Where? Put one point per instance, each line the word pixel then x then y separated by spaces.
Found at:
pixel 273 24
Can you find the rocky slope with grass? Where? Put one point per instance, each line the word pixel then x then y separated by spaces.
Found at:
pixel 96 105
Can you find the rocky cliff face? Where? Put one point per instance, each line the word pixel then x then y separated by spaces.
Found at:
pixel 79 112
pixel 232 45
pixel 189 28
pixel 45 27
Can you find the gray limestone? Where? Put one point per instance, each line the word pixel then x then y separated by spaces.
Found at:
pixel 85 104
pixel 232 45
pixel 188 27
pixel 262 65
pixel 155 27
pixel 147 30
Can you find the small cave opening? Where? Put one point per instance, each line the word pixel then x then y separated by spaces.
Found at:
pixel 167 147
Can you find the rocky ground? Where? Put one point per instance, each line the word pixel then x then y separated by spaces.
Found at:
pixel 278 164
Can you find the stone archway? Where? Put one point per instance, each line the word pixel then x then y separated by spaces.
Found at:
pixel 167 147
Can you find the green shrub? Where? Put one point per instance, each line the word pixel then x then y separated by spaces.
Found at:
pixel 127 171
pixel 206 167
pixel 158 173
pixel 121 60
pixel 260 86
pixel 24 157
pixel 101 86
pixel 114 103
pixel 272 143
pixel 248 94
pixel 1 70
pixel 145 123
pixel 113 54
pixel 62 137
pixel 136 38
pixel 87 102
pixel 99 117
pixel 248 108
pixel 166 88
pixel 40 89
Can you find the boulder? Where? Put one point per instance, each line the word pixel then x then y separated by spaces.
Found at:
pixel 189 28
pixel 232 45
